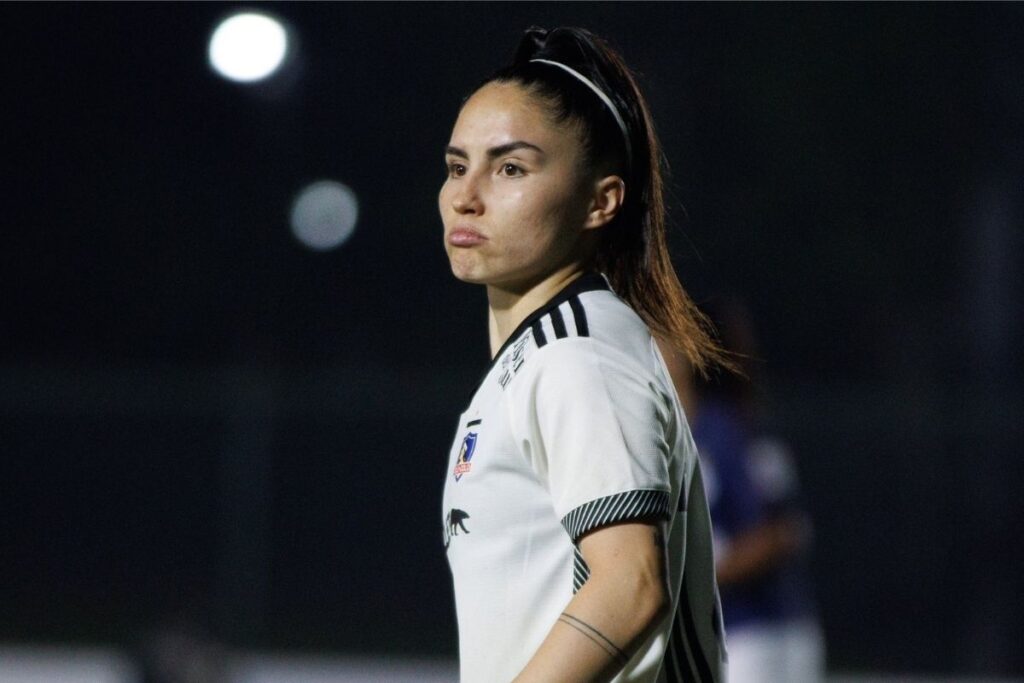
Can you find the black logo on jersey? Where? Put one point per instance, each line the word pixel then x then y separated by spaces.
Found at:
pixel 511 362
pixel 454 521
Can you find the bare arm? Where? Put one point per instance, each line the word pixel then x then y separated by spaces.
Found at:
pixel 624 599
pixel 759 550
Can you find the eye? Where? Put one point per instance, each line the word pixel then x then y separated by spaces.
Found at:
pixel 511 170
pixel 455 169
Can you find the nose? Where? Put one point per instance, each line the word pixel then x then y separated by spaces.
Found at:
pixel 466 198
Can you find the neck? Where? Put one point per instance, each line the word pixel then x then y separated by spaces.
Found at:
pixel 510 306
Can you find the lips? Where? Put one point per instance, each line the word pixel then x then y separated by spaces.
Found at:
pixel 465 237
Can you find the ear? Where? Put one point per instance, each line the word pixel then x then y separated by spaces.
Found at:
pixel 609 194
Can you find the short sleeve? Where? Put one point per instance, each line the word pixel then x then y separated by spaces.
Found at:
pixel 594 426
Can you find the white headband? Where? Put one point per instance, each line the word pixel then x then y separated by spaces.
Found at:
pixel 604 98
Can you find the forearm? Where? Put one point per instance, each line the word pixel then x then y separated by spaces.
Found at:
pixel 600 629
pixel 758 551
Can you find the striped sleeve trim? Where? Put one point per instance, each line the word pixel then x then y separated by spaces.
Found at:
pixel 580 570
pixel 621 507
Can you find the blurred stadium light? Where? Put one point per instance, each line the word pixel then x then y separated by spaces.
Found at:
pixel 324 215
pixel 248 46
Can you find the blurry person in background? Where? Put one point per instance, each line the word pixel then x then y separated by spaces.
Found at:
pixel 762 533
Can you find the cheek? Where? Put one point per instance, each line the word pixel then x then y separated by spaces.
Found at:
pixel 526 223
pixel 442 198
pixel 548 217
pixel 536 209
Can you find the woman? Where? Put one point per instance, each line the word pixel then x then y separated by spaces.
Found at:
pixel 575 521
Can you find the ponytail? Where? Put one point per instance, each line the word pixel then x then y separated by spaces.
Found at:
pixel 592 86
pixel 639 267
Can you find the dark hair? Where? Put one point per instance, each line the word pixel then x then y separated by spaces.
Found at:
pixel 633 250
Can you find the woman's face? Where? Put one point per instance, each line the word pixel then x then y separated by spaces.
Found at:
pixel 514 202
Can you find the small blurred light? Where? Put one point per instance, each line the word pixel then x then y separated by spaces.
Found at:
pixel 324 215
pixel 248 47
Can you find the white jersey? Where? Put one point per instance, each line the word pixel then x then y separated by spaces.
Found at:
pixel 575 426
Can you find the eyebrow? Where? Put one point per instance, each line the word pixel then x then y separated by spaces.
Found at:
pixel 495 152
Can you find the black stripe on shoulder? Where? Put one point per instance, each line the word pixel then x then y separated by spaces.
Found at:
pixel 620 507
pixel 538 333
pixel 558 323
pixel 579 316
pixel 588 282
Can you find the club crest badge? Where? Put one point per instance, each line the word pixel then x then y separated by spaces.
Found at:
pixel 463 464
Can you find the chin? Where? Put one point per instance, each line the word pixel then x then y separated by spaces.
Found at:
pixel 467 268
pixel 469 280
pixel 469 275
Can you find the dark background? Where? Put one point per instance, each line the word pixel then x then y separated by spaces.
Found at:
pixel 201 419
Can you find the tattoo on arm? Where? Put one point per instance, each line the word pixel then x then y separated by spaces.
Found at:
pixel 595 635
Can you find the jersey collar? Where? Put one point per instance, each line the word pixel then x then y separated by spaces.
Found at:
pixel 585 283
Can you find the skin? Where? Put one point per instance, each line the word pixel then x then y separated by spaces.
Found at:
pixel 517 182
pixel 625 599
pixel 535 206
